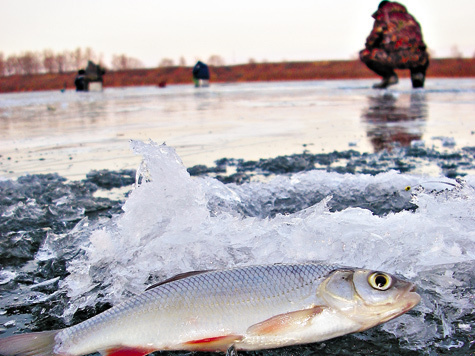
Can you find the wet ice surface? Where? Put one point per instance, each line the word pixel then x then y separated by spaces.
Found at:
pixel 73 133
pixel 104 256
pixel 72 248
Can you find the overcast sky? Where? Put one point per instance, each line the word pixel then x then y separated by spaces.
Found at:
pixel 151 30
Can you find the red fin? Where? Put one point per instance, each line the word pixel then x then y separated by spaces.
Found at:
pixel 127 351
pixel 218 343
pixel 284 322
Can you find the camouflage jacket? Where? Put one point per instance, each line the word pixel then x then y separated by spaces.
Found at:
pixel 395 29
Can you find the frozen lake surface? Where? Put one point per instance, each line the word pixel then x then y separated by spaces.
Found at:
pixel 374 179
pixel 72 133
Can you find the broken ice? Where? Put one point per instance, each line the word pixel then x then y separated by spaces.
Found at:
pixel 173 223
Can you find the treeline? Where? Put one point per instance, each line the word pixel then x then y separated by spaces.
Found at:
pixel 319 70
pixel 46 61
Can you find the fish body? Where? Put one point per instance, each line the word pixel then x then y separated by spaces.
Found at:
pixel 249 308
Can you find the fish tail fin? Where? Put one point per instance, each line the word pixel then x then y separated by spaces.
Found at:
pixel 30 344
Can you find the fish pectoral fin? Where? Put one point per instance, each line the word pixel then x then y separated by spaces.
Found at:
pixel 126 351
pixel 212 344
pixel 283 323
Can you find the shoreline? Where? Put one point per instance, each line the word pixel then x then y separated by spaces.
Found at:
pixel 255 72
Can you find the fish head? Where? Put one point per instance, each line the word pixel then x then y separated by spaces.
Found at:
pixel 368 297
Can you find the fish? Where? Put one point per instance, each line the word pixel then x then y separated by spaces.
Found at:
pixel 228 310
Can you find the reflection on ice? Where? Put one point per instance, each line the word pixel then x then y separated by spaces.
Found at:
pixel 252 121
pixel 173 223
pixel 392 121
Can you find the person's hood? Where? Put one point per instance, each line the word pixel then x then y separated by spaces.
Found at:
pixel 388 8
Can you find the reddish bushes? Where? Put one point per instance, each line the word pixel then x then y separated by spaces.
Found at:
pixel 239 73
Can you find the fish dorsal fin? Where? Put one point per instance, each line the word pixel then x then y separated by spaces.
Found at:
pixel 283 323
pixel 176 278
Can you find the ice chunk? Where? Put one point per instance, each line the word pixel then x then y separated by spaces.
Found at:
pixel 6 276
pixel 446 141
pixel 174 223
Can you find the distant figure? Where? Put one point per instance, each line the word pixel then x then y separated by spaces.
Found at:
pixel 80 80
pixel 200 74
pixel 395 43
pixel 90 79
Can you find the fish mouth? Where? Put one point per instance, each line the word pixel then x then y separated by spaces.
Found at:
pixel 411 297
pixel 408 300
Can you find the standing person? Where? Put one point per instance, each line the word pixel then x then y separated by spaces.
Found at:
pixel 395 43
pixel 80 80
pixel 200 74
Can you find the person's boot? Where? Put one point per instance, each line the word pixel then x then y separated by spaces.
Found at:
pixel 387 81
pixel 418 80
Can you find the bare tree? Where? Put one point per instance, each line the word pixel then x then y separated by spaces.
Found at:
pixel 10 65
pixel 77 59
pixel 135 63
pixel 166 62
pixel 455 52
pixel 182 62
pixel 2 65
pixel 121 62
pixel 216 60
pixel 61 62
pixel 29 63
pixel 89 55
pixel 49 62
pixel 26 63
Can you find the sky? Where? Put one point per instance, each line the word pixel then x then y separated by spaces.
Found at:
pixel 264 30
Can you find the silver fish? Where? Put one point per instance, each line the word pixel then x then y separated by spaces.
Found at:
pixel 248 308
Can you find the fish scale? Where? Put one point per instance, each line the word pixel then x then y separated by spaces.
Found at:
pixel 208 296
pixel 247 308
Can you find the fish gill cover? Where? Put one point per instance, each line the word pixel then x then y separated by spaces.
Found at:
pixel 173 223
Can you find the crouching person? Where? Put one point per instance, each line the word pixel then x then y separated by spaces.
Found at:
pixel 395 43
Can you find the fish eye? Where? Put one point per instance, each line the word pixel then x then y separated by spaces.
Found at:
pixel 380 281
